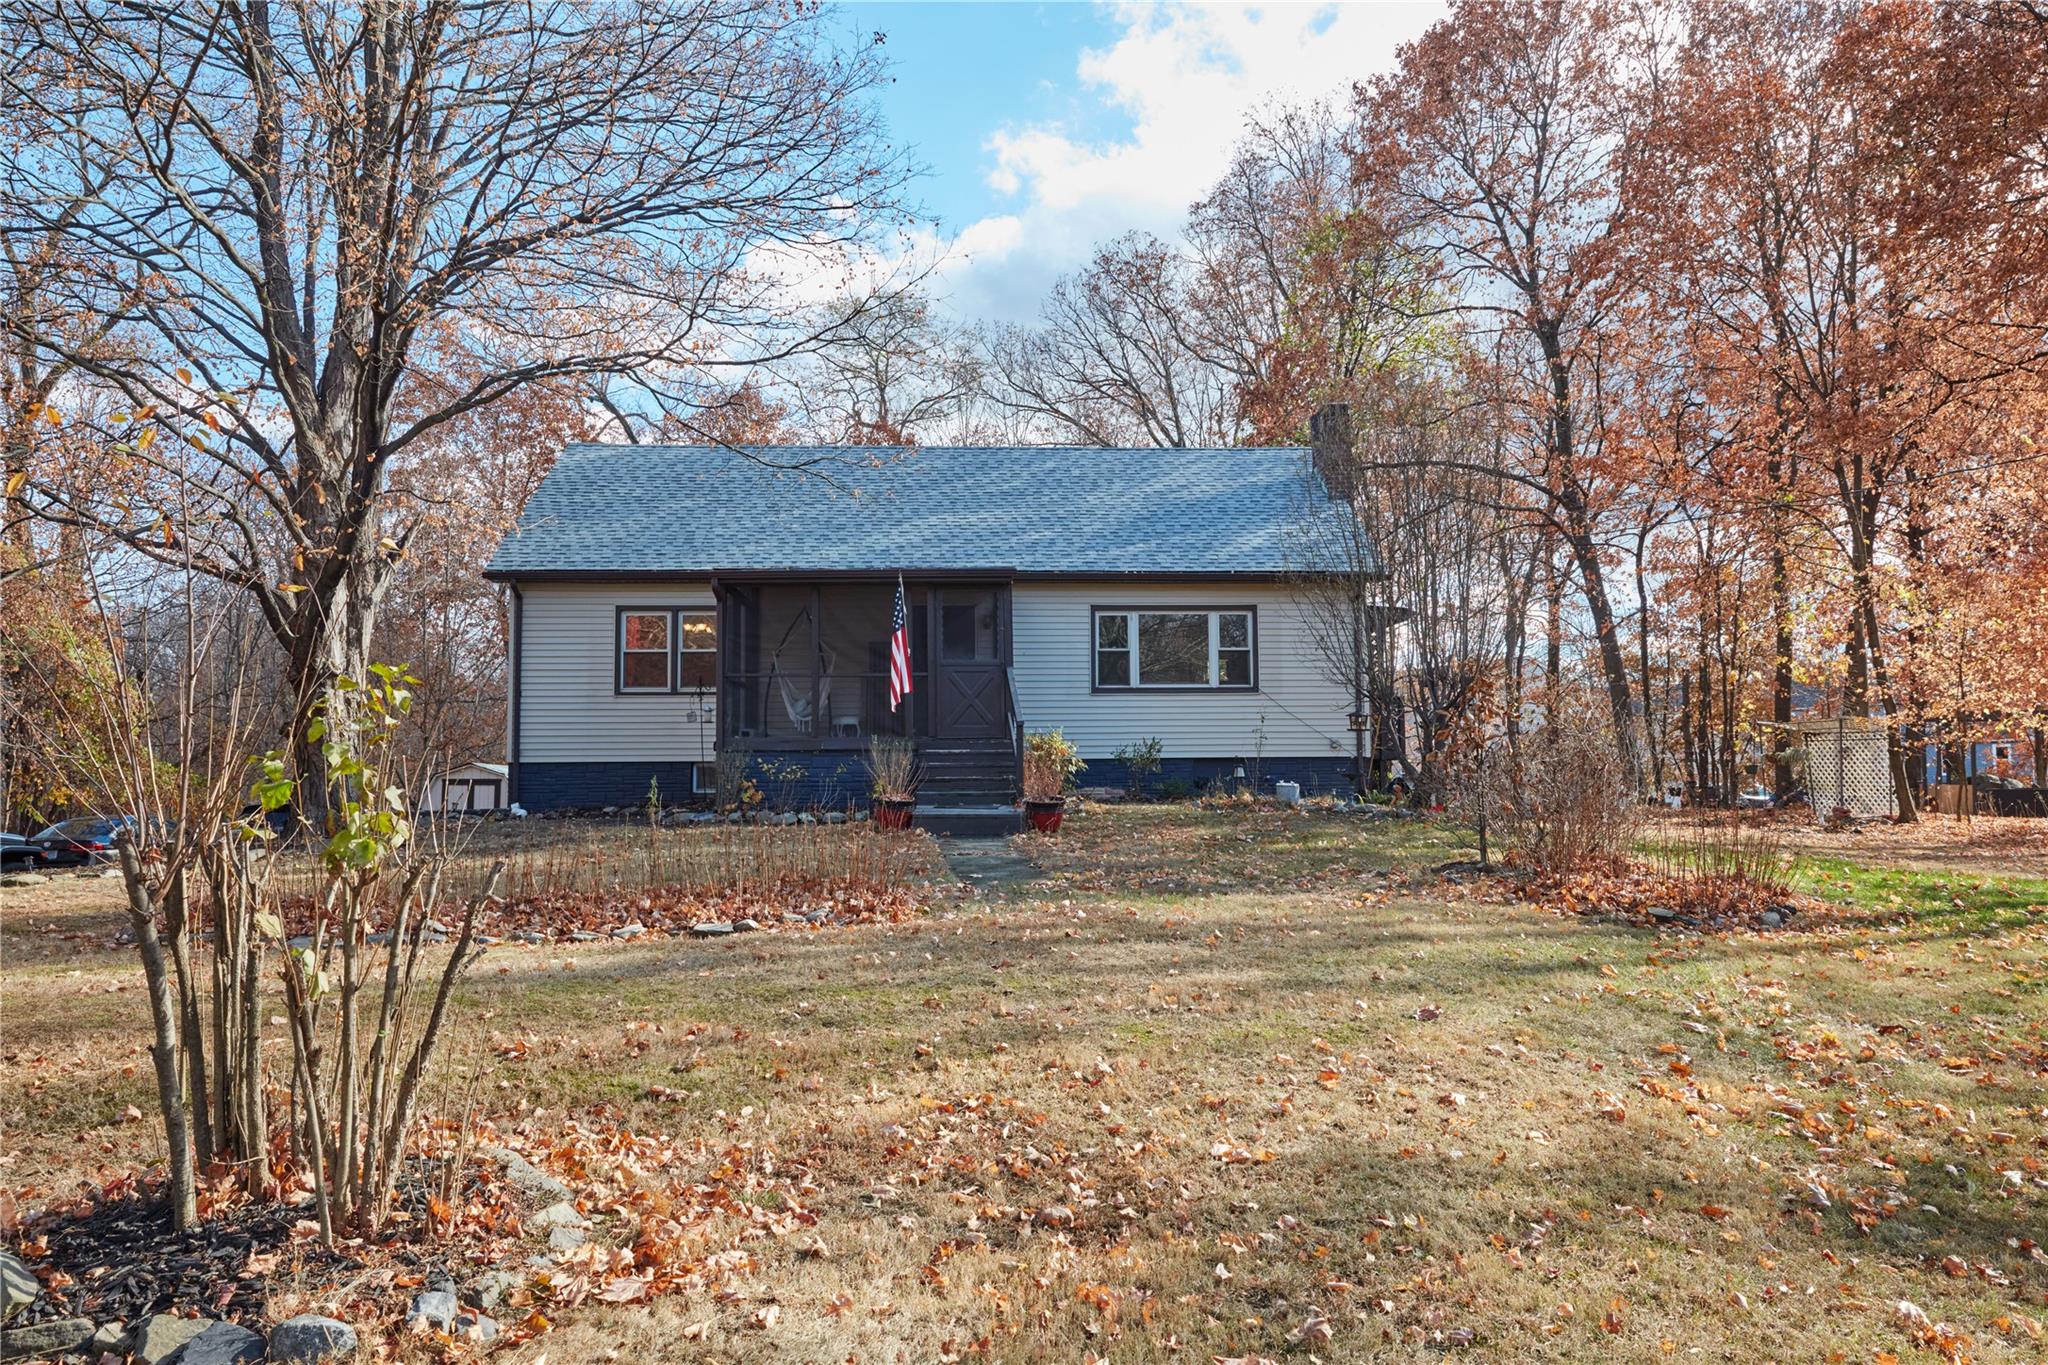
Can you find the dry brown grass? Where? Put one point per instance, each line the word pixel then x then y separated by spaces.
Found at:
pixel 1424 1126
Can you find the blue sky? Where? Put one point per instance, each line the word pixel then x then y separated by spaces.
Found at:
pixel 1048 128
pixel 963 70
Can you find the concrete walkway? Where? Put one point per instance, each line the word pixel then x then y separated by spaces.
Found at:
pixel 987 864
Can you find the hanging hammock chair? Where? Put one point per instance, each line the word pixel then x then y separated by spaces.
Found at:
pixel 797 701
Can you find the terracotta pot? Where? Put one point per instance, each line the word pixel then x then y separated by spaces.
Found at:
pixel 891 813
pixel 1045 816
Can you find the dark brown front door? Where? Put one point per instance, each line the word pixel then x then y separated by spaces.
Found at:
pixel 972 626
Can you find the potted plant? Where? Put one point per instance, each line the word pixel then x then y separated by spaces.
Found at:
pixel 1050 763
pixel 893 773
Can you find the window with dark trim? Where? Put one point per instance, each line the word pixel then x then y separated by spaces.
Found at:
pixel 666 649
pixel 696 650
pixel 644 649
pixel 1176 647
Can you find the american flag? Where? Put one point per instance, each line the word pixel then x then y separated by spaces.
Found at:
pixel 899 651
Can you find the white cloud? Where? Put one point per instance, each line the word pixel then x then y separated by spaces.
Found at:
pixel 1185 76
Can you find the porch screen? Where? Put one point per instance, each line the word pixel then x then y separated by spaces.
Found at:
pixel 807 665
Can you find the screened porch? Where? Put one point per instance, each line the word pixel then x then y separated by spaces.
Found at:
pixel 806 665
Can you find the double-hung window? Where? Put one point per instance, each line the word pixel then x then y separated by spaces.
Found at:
pixel 1176 647
pixel 666 649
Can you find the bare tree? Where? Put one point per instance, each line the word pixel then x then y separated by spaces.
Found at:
pixel 894 375
pixel 313 201
pixel 1115 360
pixel 1300 293
pixel 1406 597
pixel 1503 143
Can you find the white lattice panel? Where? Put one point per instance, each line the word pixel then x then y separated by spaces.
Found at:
pixel 1849 768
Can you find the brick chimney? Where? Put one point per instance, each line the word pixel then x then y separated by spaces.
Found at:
pixel 1329 433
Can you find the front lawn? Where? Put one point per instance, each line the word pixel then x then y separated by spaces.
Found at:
pixel 1251 1084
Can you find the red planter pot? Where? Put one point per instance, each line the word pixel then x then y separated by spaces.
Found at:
pixel 890 814
pixel 1045 816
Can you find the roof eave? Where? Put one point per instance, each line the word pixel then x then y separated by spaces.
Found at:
pixel 497 575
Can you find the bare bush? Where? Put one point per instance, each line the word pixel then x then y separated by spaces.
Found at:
pixel 1566 804
pixel 1714 858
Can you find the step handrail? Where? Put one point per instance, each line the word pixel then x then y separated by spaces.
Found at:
pixel 1016 725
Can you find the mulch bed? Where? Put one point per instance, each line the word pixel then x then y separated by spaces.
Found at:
pixel 124 1260
pixel 118 1257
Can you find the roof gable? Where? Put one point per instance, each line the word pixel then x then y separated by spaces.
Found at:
pixel 641 509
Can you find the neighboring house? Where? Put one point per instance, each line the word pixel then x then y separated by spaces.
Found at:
pixel 673 603
pixel 467 787
pixel 2007 755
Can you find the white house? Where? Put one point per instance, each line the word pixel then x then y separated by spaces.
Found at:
pixel 670 603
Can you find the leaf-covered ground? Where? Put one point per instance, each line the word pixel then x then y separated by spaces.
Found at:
pixel 1219 1085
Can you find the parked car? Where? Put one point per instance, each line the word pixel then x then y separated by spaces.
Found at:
pixel 18 851
pixel 87 839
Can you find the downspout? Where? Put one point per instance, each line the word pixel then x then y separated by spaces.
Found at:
pixel 518 649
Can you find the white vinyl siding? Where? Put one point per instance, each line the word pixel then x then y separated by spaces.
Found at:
pixel 1302 709
pixel 569 711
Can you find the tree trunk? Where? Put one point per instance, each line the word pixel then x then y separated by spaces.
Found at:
pixel 165 1050
pixel 1781 664
pixel 1613 665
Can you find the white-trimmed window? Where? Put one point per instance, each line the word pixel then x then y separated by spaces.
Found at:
pixel 1168 647
pixel 667 649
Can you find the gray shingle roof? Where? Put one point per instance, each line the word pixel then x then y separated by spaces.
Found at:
pixel 637 509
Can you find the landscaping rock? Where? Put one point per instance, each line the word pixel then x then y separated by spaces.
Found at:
pixel 478 1327
pixel 23 879
pixel 110 1339
pixel 629 931
pixel 526 1177
pixel 711 929
pixel 19 1286
pixel 435 1307
pixel 794 917
pixel 746 926
pixel 299 942
pixel 818 916
pixel 160 1336
pixel 310 1339
pixel 44 1339
pixel 222 1343
pixel 561 1214
pixel 835 817
pixel 583 935
pixel 493 1287
pixel 563 1240
pixel 1771 919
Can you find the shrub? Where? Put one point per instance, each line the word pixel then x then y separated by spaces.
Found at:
pixel 1050 763
pixel 730 777
pixel 1140 759
pixel 1565 805
pixel 893 769
pixel 1716 861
